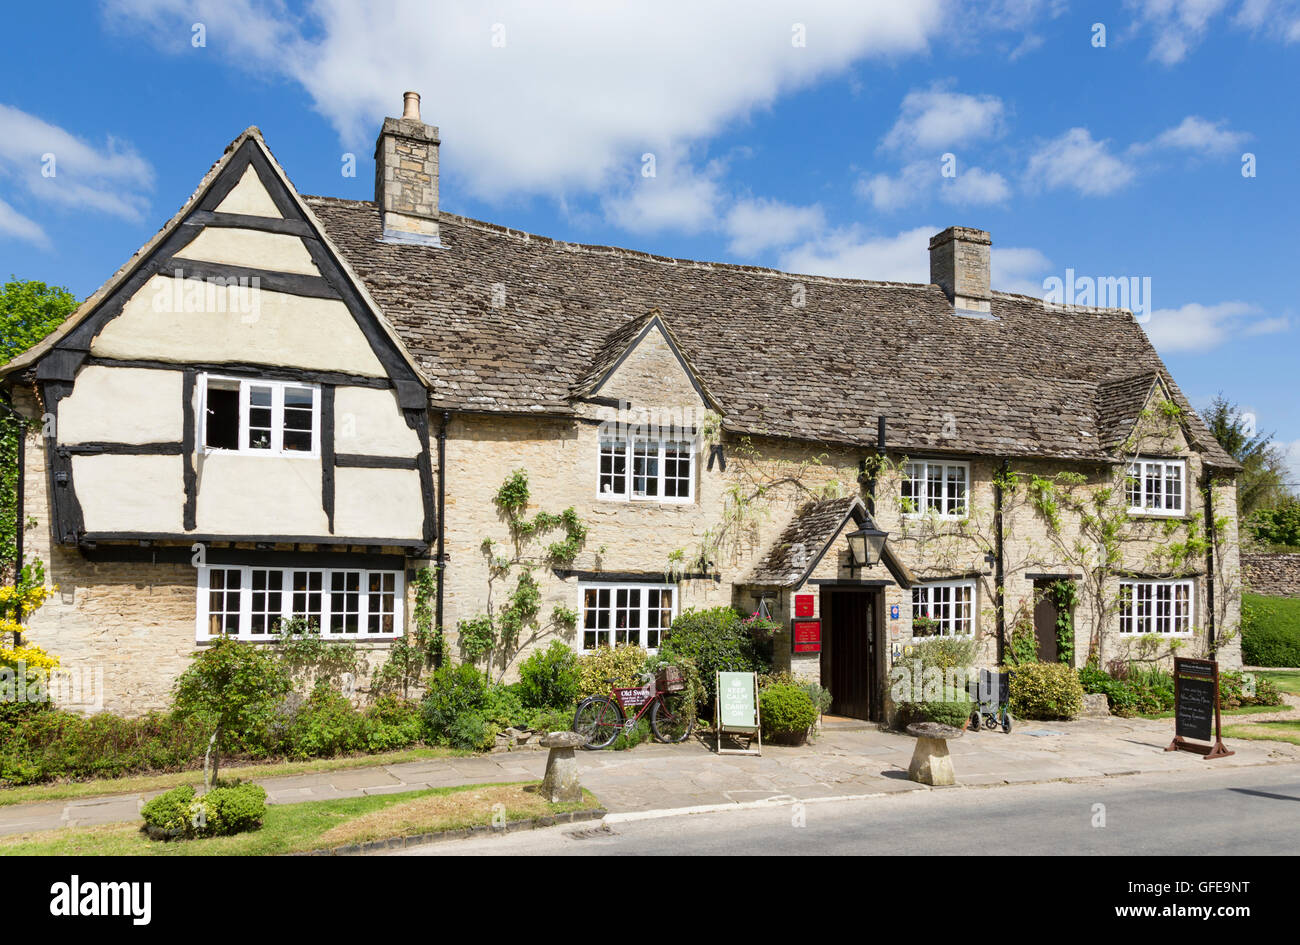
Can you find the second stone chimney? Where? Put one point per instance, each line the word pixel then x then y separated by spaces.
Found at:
pixel 406 176
pixel 959 264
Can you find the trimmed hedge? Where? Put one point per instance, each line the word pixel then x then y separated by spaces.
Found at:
pixel 1270 630
pixel 787 713
pixel 223 811
pixel 1045 691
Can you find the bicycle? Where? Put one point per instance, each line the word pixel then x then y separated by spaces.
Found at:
pixel 600 719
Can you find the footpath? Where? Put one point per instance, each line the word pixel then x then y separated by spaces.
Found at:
pixel 847 759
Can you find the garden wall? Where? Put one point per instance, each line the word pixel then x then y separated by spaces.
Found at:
pixel 1271 574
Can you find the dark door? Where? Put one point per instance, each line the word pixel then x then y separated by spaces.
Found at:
pixel 1045 624
pixel 847 655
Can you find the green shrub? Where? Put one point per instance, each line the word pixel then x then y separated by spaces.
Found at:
pixel 1234 691
pixel 391 723
pixel 552 720
pixel 930 685
pixel 1045 691
pixel 503 707
pixel 1152 687
pixel 820 696
pixel 451 692
pixel 717 640
pixel 471 731
pixel 630 739
pixel 221 812
pixel 550 678
pixel 1119 694
pixel 621 664
pixel 1270 630
pixel 326 725
pixel 787 713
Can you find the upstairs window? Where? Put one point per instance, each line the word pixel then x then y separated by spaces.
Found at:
pixel 269 418
pixel 647 470
pixel 1157 487
pixel 938 487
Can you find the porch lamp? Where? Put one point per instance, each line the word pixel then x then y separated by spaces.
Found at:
pixel 865 546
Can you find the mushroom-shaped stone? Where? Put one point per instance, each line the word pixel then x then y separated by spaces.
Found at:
pixel 560 784
pixel 931 763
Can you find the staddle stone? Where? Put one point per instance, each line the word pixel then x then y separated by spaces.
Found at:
pixel 560 784
pixel 931 763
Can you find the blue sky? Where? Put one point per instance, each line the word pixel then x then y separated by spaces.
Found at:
pixel 807 135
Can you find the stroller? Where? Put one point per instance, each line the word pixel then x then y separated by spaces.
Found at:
pixel 991 696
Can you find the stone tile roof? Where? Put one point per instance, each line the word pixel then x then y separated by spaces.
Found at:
pixel 1119 402
pixel 796 549
pixel 1026 382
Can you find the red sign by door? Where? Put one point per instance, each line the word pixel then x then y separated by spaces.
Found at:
pixel 803 605
pixel 806 636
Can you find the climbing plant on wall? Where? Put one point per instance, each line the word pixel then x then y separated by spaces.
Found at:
pixel 497 636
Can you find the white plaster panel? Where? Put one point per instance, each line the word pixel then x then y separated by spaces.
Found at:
pixel 181 320
pixel 130 493
pixel 370 422
pixel 377 503
pixel 259 495
pixel 123 405
pixel 249 196
pixel 279 252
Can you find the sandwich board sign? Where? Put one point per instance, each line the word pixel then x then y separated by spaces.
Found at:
pixel 1196 707
pixel 737 712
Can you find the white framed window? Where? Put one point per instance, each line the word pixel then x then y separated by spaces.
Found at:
pixel 248 602
pixel 643 469
pixel 1163 607
pixel 620 614
pixel 1156 486
pixel 259 417
pixel 932 486
pixel 950 604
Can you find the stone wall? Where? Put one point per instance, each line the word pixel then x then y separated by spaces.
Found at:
pixel 1274 575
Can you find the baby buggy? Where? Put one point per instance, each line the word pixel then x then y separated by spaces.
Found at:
pixel 991 694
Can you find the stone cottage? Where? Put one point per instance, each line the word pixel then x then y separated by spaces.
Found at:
pixel 286 405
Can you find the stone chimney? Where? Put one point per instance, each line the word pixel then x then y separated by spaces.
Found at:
pixel 959 264
pixel 406 176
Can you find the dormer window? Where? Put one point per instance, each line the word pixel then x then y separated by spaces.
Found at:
pixel 260 417
pixel 644 469
pixel 1156 487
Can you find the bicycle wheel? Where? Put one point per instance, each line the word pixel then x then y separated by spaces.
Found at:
pixel 599 720
pixel 671 719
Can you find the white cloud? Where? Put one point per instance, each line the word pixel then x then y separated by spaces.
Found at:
pixel 580 88
pixel 1177 27
pixel 1076 161
pixel 1202 136
pixel 915 183
pixel 13 223
pixel 54 166
pixel 853 253
pixel 1291 455
pixel 1197 327
pixel 756 225
pixel 677 197
pixel 937 119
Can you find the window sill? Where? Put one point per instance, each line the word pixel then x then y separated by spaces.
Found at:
pixel 261 454
pixel 1164 516
pixel 922 516
pixel 333 638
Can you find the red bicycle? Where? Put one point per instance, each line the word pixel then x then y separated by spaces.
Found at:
pixel 600 719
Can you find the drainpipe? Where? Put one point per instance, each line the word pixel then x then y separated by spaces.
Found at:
pixel 1207 486
pixel 999 570
pixel 442 506
pixel 871 480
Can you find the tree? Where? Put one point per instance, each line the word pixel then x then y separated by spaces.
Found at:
pixel 29 310
pixel 1278 526
pixel 1262 482
pixel 233 686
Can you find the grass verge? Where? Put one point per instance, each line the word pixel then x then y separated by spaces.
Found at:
pixel 133 784
pixel 313 825
pixel 1240 710
pixel 1285 731
pixel 1287 680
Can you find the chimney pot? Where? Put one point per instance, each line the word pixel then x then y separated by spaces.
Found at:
pixel 959 264
pixel 411 105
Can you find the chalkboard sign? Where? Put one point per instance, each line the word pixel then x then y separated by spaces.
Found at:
pixel 737 711
pixel 1196 707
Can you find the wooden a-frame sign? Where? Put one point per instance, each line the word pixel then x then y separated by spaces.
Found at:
pixel 737 712
pixel 1196 693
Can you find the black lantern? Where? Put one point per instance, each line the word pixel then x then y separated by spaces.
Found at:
pixel 865 546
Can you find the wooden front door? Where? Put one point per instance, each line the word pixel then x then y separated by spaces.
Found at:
pixel 1045 624
pixel 848 652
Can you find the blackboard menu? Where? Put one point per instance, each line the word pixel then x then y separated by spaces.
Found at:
pixel 1196 685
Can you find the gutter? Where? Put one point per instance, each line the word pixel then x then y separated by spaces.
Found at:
pixel 442 506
